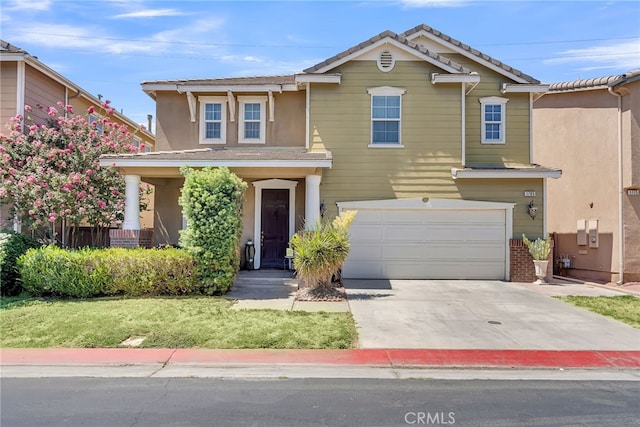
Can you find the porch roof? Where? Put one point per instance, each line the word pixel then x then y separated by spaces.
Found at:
pixel 533 171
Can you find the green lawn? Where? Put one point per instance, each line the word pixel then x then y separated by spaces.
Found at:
pixel 624 308
pixel 198 322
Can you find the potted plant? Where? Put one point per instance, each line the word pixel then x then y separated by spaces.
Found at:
pixel 539 250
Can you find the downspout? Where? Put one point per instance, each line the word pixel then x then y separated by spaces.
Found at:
pixel 463 108
pixel 620 189
pixel 307 115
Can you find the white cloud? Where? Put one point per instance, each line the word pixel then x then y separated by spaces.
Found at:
pixel 56 35
pixel 150 13
pixel 433 3
pixel 36 5
pixel 624 55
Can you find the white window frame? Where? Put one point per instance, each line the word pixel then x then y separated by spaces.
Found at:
pixel 203 101
pixel 93 118
pixel 493 100
pixel 243 100
pixel 385 91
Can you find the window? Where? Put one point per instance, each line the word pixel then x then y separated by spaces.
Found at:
pixel 386 112
pixel 213 119
pixel 252 123
pixel 95 119
pixel 493 119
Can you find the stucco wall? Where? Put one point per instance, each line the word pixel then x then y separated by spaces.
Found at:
pixel 578 132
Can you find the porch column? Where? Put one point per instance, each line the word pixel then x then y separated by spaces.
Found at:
pixel 312 201
pixel 132 203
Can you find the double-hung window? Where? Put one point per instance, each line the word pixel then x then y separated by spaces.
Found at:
pixel 213 119
pixel 386 116
pixel 252 123
pixel 493 119
pixel 98 123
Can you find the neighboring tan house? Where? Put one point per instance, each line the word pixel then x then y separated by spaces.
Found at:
pixel 429 139
pixel 24 80
pixel 590 129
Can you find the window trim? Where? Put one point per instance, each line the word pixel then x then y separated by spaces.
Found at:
pixel 222 100
pixel 493 100
pixel 385 91
pixel 242 101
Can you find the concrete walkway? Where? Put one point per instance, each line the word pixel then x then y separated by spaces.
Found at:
pixel 274 290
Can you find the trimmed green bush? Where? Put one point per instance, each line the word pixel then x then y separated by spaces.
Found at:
pixel 12 246
pixel 539 248
pixel 114 271
pixel 211 202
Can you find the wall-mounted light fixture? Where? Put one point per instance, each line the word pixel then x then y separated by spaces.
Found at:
pixel 533 210
pixel 323 209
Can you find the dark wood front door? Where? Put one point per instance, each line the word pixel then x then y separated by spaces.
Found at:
pixel 275 227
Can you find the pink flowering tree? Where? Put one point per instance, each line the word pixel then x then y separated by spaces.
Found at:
pixel 51 174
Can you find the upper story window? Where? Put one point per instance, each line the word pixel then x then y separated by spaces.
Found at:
pixel 213 119
pixel 95 119
pixel 493 119
pixel 252 123
pixel 386 116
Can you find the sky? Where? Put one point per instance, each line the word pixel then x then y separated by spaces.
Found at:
pixel 109 47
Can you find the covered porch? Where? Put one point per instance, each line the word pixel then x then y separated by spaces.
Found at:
pixel 282 197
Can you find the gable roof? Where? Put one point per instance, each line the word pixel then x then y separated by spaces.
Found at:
pixel 469 52
pixel 401 41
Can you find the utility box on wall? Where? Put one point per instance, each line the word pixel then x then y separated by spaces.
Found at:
pixel 581 232
pixel 594 240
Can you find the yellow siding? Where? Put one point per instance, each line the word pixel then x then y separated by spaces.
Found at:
pixel 516 149
pixel 430 133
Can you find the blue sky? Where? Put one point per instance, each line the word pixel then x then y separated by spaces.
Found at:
pixel 109 47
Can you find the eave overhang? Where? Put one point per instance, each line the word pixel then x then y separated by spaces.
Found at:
pixel 508 173
pixel 319 78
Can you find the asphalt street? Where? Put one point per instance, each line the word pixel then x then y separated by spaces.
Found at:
pixel 316 402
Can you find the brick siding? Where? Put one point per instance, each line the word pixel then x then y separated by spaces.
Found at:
pixel 131 238
pixel 522 269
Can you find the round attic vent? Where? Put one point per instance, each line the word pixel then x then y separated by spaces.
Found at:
pixel 386 61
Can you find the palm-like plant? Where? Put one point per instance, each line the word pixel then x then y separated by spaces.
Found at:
pixel 319 253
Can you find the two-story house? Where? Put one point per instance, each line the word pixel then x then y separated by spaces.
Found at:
pixel 25 80
pixel 429 139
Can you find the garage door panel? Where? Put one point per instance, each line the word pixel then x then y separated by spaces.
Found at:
pixel 427 243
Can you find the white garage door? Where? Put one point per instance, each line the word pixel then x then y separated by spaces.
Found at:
pixel 433 240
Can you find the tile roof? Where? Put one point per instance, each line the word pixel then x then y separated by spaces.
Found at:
pixel 8 47
pixel 226 154
pixel 253 80
pixel 595 83
pixel 469 49
pixel 400 38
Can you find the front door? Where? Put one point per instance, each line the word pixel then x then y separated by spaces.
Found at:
pixel 275 227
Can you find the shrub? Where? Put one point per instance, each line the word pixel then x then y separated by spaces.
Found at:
pixel 113 271
pixel 211 202
pixel 12 246
pixel 320 253
pixel 539 248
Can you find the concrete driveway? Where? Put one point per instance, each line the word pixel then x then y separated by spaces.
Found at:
pixel 463 314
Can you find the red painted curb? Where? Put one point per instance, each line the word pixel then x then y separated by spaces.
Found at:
pixel 362 357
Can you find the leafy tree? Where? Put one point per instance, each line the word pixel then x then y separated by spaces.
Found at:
pixel 211 202
pixel 51 173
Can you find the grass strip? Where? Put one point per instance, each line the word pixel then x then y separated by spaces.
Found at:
pixel 625 308
pixel 186 322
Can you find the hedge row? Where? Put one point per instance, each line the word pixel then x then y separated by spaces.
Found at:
pixel 12 246
pixel 85 273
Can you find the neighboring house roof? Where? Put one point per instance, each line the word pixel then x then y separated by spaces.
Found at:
pixel 595 83
pixel 469 50
pixel 233 157
pixel 338 59
pixel 11 52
